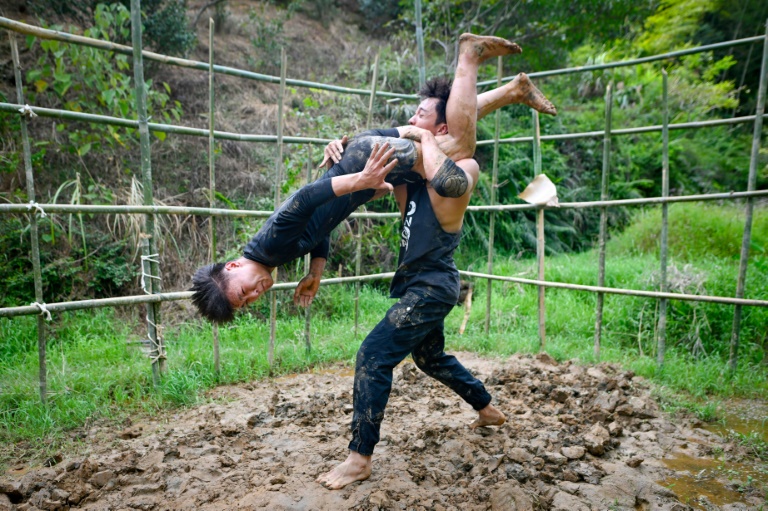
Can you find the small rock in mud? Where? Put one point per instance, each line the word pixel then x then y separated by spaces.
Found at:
pixel 596 439
pixel 574 452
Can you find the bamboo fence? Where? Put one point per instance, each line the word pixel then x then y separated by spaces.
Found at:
pixel 154 295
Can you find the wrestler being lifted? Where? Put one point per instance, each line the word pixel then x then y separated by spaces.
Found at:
pixel 303 223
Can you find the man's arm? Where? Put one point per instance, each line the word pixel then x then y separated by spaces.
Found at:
pixel 371 177
pixel 450 183
pixel 446 177
pixel 333 151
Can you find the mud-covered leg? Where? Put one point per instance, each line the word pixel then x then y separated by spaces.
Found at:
pixel 521 90
pixel 461 109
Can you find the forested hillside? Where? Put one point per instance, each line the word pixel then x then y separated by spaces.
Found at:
pixel 336 42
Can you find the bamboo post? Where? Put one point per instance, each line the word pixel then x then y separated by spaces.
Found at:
pixel 374 86
pixel 603 219
pixel 212 179
pixel 34 235
pixel 494 186
pixel 150 248
pixel 278 179
pixel 307 259
pixel 751 182
pixel 359 237
pixel 539 232
pixel 662 341
pixel 420 45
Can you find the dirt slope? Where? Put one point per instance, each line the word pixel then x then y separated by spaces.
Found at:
pixel 577 439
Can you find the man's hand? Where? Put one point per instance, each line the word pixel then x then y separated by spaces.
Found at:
pixel 413 133
pixel 306 290
pixel 333 151
pixel 377 168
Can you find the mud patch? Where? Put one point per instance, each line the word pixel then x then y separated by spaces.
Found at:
pixel 576 438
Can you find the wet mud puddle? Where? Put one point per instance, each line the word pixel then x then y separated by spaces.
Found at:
pixel 702 482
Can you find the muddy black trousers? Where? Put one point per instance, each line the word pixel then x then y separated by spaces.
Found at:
pixel 414 325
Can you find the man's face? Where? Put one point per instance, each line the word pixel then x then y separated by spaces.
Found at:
pixel 246 282
pixel 426 117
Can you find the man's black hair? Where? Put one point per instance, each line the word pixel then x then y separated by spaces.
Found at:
pixel 440 88
pixel 210 293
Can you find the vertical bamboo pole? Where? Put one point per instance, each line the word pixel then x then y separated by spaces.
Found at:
pixel 420 45
pixel 278 178
pixel 34 239
pixel 359 241
pixel 494 185
pixel 212 178
pixel 150 252
pixel 374 85
pixel 307 259
pixel 751 182
pixel 603 218
pixel 539 232
pixel 662 341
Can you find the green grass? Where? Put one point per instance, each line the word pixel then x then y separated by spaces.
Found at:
pixel 94 373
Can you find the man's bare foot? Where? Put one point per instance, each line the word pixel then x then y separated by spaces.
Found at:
pixel 355 468
pixel 485 47
pixel 488 416
pixel 523 89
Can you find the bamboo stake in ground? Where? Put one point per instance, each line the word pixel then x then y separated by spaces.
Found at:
pixel 33 230
pixel 420 45
pixel 359 240
pixel 662 342
pixel 307 259
pixel 494 186
pixel 278 179
pixel 467 308
pixel 151 253
pixel 752 180
pixel 539 232
pixel 212 180
pixel 603 220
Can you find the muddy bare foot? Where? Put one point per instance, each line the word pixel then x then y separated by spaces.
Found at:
pixel 355 468
pixel 488 416
pixel 485 47
pixel 524 91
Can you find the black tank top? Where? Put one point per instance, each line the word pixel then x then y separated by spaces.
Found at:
pixel 426 251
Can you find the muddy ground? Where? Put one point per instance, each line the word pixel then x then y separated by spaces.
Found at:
pixel 577 438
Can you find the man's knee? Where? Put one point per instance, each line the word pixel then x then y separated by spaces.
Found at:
pixel 450 180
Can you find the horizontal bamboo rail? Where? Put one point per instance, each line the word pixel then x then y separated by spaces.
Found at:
pixel 225 135
pixel 26 310
pixel 619 291
pixel 239 213
pixel 627 131
pixel 633 62
pixel 157 127
pixel 57 35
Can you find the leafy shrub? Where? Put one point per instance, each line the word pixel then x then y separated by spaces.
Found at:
pixel 165 29
pixel 59 78
pixel 64 274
